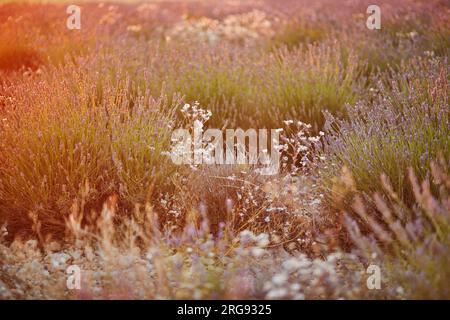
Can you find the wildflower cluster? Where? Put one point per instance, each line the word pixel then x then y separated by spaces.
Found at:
pixel 238 28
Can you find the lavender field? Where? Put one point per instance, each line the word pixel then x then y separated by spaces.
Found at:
pixel 95 205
